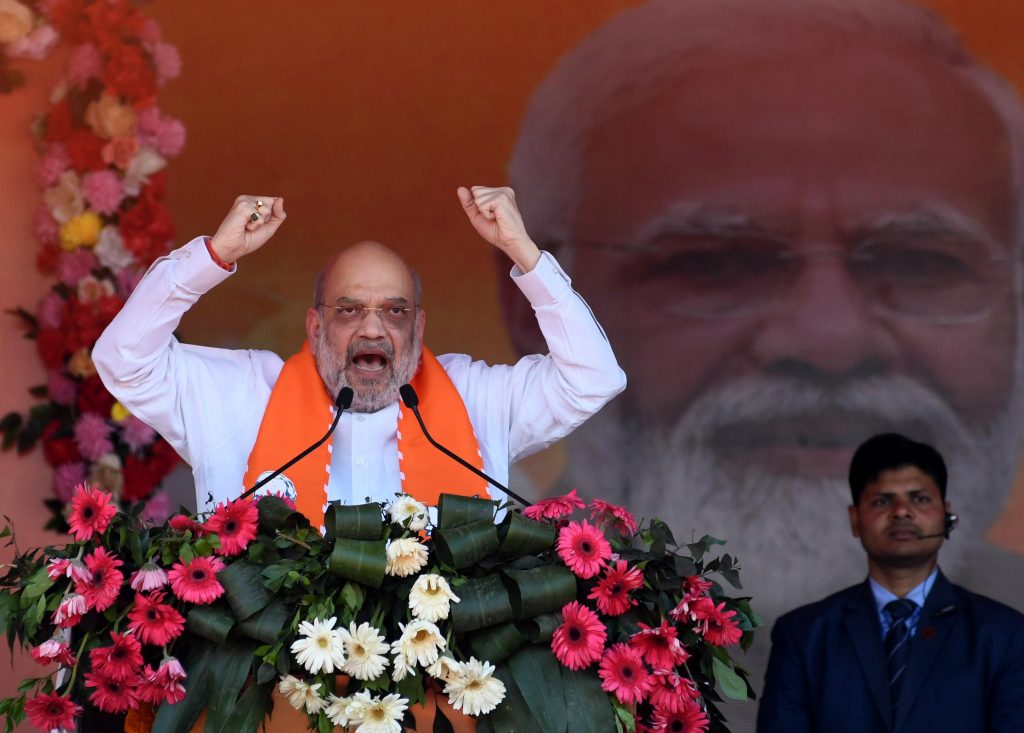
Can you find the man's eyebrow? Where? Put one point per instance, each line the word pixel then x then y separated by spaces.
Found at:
pixel 930 220
pixel 393 300
pixel 701 219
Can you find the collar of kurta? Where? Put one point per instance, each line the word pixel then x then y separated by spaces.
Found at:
pixel 300 411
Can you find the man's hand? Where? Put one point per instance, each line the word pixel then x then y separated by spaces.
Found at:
pixel 494 214
pixel 247 227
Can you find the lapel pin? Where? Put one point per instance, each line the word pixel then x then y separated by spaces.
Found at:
pixel 928 632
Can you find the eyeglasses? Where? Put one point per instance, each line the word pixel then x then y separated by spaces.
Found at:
pixel 394 316
pixel 943 280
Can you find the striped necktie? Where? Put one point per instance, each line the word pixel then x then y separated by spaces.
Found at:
pixel 897 644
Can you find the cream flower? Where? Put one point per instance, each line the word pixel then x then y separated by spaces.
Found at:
pixel 91 289
pixel 143 164
pixel 337 709
pixel 108 118
pixel 110 249
pixel 65 200
pixel 431 597
pixel 321 648
pixel 108 474
pixel 406 508
pixel 402 667
pixel 81 364
pixel 15 21
pixel 445 668
pixel 364 650
pixel 405 557
pixel 301 695
pixel 377 714
pixel 475 691
pixel 420 643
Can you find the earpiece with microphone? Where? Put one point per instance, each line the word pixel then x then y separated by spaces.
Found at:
pixel 949 523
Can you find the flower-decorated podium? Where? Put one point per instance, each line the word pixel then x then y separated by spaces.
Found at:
pixel 565 618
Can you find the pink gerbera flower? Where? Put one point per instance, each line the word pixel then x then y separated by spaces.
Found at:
pixel 579 641
pixel 660 647
pixel 716 622
pixel 184 523
pixel 52 712
pixel 101 589
pixel 196 581
pixel 583 548
pixel 694 588
pixel 689 720
pixel 149 577
pixel 610 516
pixel 555 507
pixel 70 611
pixel 119 661
pixel 158 688
pixel 51 651
pixel 623 674
pixel 110 695
pixel 235 525
pixel 155 622
pixel 672 692
pixel 612 591
pixel 91 512
pixel 60 567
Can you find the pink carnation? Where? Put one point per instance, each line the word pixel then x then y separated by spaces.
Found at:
pixel 73 266
pixel 92 436
pixel 150 31
pixel 66 477
pixel 60 388
pixel 166 134
pixel 136 434
pixel 103 190
pixel 158 508
pixel 51 165
pixel 84 64
pixel 50 311
pixel 167 61
pixel 46 228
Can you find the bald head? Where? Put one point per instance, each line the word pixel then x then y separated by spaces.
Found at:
pixel 372 260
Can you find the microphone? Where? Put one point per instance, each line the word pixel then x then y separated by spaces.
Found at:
pixel 342 402
pixel 412 401
pixel 949 523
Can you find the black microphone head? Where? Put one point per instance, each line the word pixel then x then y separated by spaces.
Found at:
pixel 409 396
pixel 344 401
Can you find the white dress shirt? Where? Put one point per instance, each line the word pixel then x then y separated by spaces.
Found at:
pixel 208 402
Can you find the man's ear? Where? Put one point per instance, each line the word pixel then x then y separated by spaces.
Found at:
pixel 313 325
pixel 854 520
pixel 517 313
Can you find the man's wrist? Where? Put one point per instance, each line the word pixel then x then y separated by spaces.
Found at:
pixel 229 266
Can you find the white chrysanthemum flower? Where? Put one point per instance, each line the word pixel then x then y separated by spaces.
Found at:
pixel 405 507
pixel 402 667
pixel 377 714
pixel 301 695
pixel 337 709
pixel 364 651
pixel 431 597
pixel 321 648
pixel 475 691
pixel 444 668
pixel 405 557
pixel 421 643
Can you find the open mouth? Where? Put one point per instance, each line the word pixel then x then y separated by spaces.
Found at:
pixel 371 362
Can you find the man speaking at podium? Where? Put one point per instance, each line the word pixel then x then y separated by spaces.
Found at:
pixel 235 415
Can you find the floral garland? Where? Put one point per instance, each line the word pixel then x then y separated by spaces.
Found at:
pixel 103 145
pixel 546 621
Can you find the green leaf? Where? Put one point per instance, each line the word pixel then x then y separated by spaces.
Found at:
pixel 352 596
pixel 243 589
pixel 359 522
pixel 587 706
pixel 266 673
pixel 229 669
pixel 540 629
pixel 484 602
pixel 183 715
pixel 252 707
pixel 733 686
pixel 411 688
pixel 360 560
pixel 38 583
pixel 541 590
pixel 536 672
pixel 521 535
pixel 456 511
pixel 732 576
pixel 512 715
pixel 186 554
pixel 266 626
pixel 210 622
pixel 275 514
pixel 495 643
pixel 467 544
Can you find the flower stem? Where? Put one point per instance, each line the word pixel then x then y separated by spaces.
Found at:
pixel 293 540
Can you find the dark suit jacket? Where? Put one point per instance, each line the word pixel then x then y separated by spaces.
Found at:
pixel 827 672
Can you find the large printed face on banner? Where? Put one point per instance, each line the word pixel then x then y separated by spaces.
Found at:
pixel 792 246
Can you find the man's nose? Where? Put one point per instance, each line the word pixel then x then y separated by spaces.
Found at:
pixel 371 326
pixel 825 324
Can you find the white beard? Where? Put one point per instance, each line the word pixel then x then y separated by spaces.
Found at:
pixel 792 535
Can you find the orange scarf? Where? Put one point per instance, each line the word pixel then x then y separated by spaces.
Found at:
pixel 300 410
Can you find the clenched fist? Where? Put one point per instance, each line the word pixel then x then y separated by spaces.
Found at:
pixel 495 216
pixel 247 227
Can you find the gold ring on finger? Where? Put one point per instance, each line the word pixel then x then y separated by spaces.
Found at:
pixel 255 215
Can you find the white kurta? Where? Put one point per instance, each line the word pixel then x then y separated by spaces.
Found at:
pixel 208 402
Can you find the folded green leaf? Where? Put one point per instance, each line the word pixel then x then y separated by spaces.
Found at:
pixel 521 535
pixel 466 544
pixel 512 715
pixel 360 560
pixel 211 622
pixel 359 522
pixel 495 643
pixel 536 672
pixel 484 602
pixel 275 514
pixel 266 625
pixel 733 686
pixel 454 510
pixel 540 590
pixel 540 629
pixel 243 589
pixel 588 709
